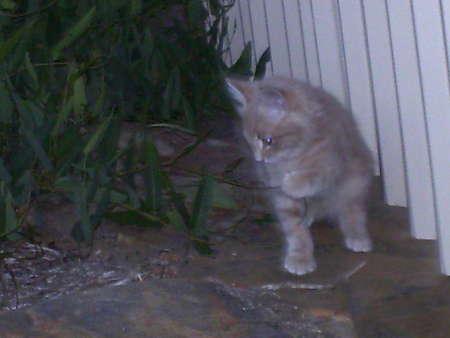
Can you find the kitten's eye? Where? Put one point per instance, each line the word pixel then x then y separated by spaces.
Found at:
pixel 268 141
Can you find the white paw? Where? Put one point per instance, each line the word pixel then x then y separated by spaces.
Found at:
pixel 363 244
pixel 299 265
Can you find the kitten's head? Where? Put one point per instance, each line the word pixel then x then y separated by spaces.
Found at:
pixel 271 123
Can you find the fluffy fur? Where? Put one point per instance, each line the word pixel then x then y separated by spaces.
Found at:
pixel 310 149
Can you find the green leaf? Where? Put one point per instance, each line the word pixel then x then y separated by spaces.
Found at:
pixel 176 220
pixel 129 162
pixel 151 219
pixel 63 117
pixel 10 213
pixel 172 93
pixel 67 149
pixel 8 218
pixel 25 114
pixel 36 112
pixel 6 104
pixel 79 98
pixel 82 230
pixel 97 136
pixel 173 126
pixel 133 217
pixel 37 147
pixel 4 174
pixel 261 66
pixel 8 46
pixel 108 148
pixel 202 206
pixel 135 7
pixel 177 199
pixel 103 205
pixel 201 245
pixel 148 45
pixel 196 13
pixel 2 215
pixel 69 186
pixel 7 4
pixel 98 107
pixel 243 66
pixel 30 69
pixel 74 33
pixel 121 197
pixel 132 197
pixel 97 176
pixel 152 177
pixel 189 113
pixel 215 7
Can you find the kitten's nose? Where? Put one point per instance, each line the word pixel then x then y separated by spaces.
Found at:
pixel 257 154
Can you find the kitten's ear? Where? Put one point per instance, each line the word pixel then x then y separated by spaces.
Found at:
pixel 273 98
pixel 240 92
pixel 276 102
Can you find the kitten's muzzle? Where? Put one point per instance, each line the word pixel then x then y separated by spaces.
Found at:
pixel 258 158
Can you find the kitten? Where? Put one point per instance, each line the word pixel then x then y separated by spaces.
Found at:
pixel 311 151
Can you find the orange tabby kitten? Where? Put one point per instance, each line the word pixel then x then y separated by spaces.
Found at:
pixel 311 151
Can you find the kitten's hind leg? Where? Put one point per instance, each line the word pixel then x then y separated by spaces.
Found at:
pixel 352 221
pixel 294 223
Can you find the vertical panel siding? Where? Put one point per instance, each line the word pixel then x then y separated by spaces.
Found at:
pixel 295 40
pixel 310 43
pixel 278 38
pixel 386 105
pixel 260 31
pixel 415 138
pixel 389 62
pixel 359 77
pixel 236 33
pixel 444 233
pixel 246 20
pixel 329 49
pixel 435 82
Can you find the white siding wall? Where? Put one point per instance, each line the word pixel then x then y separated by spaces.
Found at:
pixel 388 62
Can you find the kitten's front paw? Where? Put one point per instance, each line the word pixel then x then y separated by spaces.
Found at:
pixel 299 265
pixel 296 185
pixel 363 244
